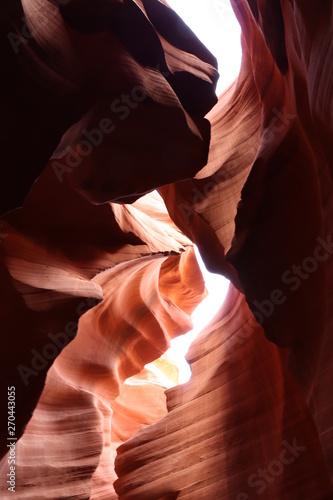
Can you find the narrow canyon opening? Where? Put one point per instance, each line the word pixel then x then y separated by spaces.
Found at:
pixel 215 24
pixel 217 288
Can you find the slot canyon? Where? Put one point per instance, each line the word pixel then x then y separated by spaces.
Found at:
pixel 117 158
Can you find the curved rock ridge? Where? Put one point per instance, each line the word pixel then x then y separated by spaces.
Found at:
pixel 239 428
pixel 42 298
pixel 260 211
pixel 146 302
pixel 93 74
pixel 48 259
pixel 148 219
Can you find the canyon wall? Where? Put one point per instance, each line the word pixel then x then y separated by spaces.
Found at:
pixel 102 103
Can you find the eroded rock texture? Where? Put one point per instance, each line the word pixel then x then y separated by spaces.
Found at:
pixel 236 372
pixel 101 103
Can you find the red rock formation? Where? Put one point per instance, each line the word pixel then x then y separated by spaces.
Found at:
pixel 239 429
pixel 82 85
pixel 94 72
pixel 147 301
pixel 255 419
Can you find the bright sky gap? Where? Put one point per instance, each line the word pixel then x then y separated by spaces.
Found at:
pixel 215 24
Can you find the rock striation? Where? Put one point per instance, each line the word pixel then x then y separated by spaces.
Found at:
pixel 103 102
